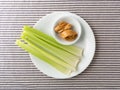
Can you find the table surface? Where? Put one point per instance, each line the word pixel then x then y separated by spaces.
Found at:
pixel 18 72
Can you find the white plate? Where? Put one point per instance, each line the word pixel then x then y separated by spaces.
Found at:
pixel 86 41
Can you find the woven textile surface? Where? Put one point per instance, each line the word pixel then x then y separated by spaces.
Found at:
pixel 17 72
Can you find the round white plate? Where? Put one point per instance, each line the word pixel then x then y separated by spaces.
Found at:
pixel 86 41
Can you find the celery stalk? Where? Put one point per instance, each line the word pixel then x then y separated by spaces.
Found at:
pixel 65 56
pixel 71 49
pixel 40 55
pixel 50 56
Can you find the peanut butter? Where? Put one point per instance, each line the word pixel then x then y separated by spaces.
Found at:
pixel 64 30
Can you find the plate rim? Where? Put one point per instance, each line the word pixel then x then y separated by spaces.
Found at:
pixel 94 42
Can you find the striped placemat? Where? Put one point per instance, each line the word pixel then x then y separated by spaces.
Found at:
pixel 18 72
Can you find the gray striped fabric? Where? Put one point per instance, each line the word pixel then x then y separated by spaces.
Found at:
pixel 18 72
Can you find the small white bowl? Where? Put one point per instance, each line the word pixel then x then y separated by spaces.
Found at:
pixel 75 26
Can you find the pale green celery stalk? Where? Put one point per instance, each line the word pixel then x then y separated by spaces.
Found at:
pixel 65 56
pixel 38 54
pixel 71 49
pixel 50 56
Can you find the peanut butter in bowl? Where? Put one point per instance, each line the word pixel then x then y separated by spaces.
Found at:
pixel 64 30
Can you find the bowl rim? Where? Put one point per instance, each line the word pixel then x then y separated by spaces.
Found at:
pixel 62 41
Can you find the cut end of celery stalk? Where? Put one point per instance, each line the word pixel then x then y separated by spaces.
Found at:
pixel 68 72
